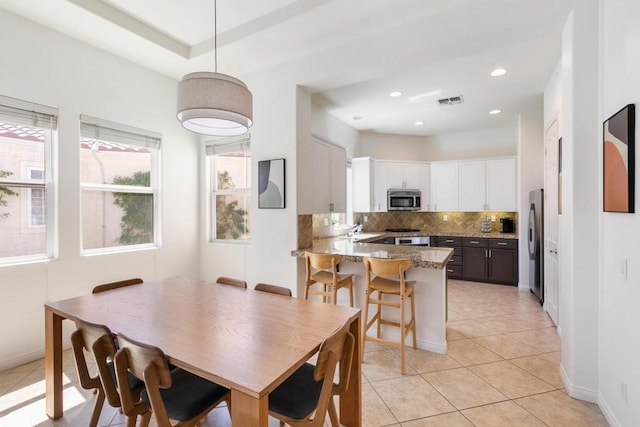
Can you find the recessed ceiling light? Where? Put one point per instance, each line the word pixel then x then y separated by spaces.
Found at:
pixel 395 94
pixel 357 117
pixel 498 72
pixel 496 111
pixel 419 123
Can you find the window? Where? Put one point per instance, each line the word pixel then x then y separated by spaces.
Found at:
pixel 27 134
pixel 229 184
pixel 119 181
pixel 36 200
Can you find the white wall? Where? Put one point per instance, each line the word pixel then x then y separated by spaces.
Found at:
pixel 333 129
pixel 45 67
pixel 530 177
pixel 493 142
pixel 578 224
pixel 619 356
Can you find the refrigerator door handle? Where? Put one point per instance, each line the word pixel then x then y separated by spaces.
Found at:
pixel 532 231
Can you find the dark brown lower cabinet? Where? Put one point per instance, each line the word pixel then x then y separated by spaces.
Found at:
pixel 490 260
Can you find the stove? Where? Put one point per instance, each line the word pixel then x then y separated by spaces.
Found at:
pixel 402 230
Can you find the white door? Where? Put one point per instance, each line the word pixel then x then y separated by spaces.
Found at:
pixel 321 177
pixel 379 186
pixel 411 174
pixel 553 177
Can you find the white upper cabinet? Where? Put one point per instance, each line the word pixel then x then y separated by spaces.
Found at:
pixel 488 185
pixel 329 177
pixel 501 185
pixel 444 186
pixel 424 184
pixel 472 186
pixel 379 186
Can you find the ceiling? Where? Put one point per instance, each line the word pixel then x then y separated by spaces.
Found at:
pixel 427 49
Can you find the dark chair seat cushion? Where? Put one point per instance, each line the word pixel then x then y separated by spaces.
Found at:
pixel 298 395
pixel 134 383
pixel 188 396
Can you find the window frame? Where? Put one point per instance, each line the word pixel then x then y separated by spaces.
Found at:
pixel 226 145
pixel 119 132
pixel 42 117
pixel 30 223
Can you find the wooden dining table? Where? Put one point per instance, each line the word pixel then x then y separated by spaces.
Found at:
pixel 245 340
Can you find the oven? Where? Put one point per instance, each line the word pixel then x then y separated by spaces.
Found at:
pixel 413 241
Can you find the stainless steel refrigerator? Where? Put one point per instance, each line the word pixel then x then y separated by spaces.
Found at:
pixel 536 243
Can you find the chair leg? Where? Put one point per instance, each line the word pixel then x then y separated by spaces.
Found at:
pixel 413 318
pixel 144 422
pixel 333 413
pixel 365 321
pixel 334 294
pixel 306 291
pixel 380 295
pixel 403 334
pixel 97 407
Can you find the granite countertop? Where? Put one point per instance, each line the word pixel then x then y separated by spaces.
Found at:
pixel 353 250
pixel 478 235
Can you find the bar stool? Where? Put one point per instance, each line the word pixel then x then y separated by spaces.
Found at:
pixel 323 269
pixel 383 269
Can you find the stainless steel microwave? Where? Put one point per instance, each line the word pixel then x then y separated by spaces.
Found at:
pixel 403 199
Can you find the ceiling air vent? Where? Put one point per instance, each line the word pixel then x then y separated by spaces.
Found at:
pixel 451 101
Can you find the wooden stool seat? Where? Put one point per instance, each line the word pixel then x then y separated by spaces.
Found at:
pixel 383 269
pixel 323 269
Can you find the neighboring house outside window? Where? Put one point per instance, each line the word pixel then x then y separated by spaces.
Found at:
pixel 119 178
pixel 228 167
pixel 27 137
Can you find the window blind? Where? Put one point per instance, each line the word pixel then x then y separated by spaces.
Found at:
pixel 241 144
pixel 15 111
pixel 104 130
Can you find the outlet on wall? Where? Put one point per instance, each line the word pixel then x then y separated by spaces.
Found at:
pixel 493 218
pixel 366 218
pixel 326 222
pixel 445 218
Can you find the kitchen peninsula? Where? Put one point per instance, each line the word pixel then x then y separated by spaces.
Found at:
pixel 428 270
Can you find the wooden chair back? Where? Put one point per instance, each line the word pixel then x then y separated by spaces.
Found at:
pixel 232 282
pixel 149 364
pixel 115 285
pixel 387 267
pixel 95 340
pixel 338 348
pixel 322 261
pixel 273 289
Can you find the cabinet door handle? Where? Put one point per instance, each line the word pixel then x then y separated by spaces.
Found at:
pixel 489 253
pixel 502 243
pixel 449 241
pixel 473 242
pixel 449 271
pixel 486 253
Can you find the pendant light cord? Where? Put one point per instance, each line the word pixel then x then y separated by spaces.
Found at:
pixel 215 35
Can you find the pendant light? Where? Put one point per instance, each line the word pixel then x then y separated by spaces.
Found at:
pixel 214 103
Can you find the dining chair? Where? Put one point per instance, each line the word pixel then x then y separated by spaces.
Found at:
pixel 323 269
pixel 273 289
pixel 97 341
pixel 232 282
pixel 170 394
pixel 304 398
pixel 384 270
pixel 115 285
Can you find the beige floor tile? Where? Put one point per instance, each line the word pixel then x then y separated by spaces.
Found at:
pixel 506 347
pixel 411 397
pixel 503 414
pixel 467 353
pixel 557 409
pixel 453 419
pixel 556 355
pixel 545 339
pixel 374 412
pixel 382 365
pixel 463 389
pixel 503 324
pixel 425 361
pixel 453 335
pixel 371 346
pixel 453 315
pixel 542 366
pixel 510 379
pixel 471 328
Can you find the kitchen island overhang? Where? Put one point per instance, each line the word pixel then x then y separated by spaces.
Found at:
pixel 428 269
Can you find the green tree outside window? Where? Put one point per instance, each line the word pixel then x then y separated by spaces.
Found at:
pixel 4 193
pixel 137 221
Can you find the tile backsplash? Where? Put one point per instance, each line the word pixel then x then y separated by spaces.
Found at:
pixel 319 226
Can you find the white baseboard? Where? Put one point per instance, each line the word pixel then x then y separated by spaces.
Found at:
pixel 27 357
pixel 440 348
pixel 607 412
pixel 577 392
